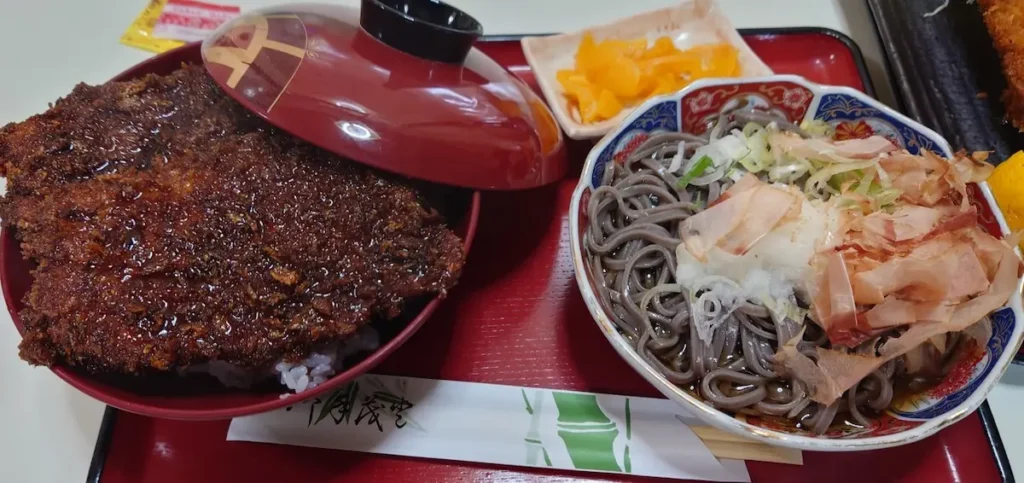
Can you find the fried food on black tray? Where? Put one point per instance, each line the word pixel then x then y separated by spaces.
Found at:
pixel 171 228
pixel 1003 19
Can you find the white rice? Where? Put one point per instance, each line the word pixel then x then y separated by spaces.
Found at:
pixel 296 376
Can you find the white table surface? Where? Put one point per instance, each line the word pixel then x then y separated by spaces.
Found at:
pixel 47 429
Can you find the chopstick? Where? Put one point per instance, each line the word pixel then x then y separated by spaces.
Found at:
pixel 730 446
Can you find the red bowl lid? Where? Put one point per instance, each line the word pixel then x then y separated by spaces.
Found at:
pixel 396 85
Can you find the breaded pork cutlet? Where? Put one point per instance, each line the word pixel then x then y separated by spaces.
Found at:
pixel 171 228
pixel 1005 19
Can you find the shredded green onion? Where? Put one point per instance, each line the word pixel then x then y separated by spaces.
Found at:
pixel 887 196
pixel 819 181
pixel 821 177
pixel 866 182
pixel 759 158
pixel 698 169
pixel 817 127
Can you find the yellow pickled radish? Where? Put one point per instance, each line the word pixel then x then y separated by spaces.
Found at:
pixel 608 105
pixel 632 49
pixel 588 58
pixel 622 77
pixel 573 83
pixel 665 84
pixel 673 64
pixel 586 102
pixel 662 46
pixel 721 62
pixel 563 76
pixel 613 74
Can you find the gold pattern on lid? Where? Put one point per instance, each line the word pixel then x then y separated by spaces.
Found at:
pixel 240 59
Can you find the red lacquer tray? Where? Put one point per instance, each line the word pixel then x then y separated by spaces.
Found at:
pixel 517 318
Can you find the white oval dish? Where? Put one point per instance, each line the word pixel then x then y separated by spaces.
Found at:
pixel 691 23
pixel 853 113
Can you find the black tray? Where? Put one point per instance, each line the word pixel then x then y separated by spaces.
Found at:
pixel 949 78
pixel 947 72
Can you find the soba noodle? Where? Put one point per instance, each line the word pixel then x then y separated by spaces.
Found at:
pixel 631 241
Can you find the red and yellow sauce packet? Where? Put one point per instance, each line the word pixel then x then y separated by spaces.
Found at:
pixel 140 33
pixel 167 24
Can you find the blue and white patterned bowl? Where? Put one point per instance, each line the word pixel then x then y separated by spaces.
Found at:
pixel 853 114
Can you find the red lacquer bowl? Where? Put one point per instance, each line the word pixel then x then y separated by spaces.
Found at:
pixel 201 397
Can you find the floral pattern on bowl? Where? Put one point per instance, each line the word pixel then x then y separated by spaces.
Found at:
pixel 853 115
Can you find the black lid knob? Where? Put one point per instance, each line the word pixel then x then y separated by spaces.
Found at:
pixel 425 28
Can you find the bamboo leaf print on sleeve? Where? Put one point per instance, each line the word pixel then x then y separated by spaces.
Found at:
pixel 534 444
pixel 529 408
pixel 587 432
pixel 626 463
pixel 498 425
